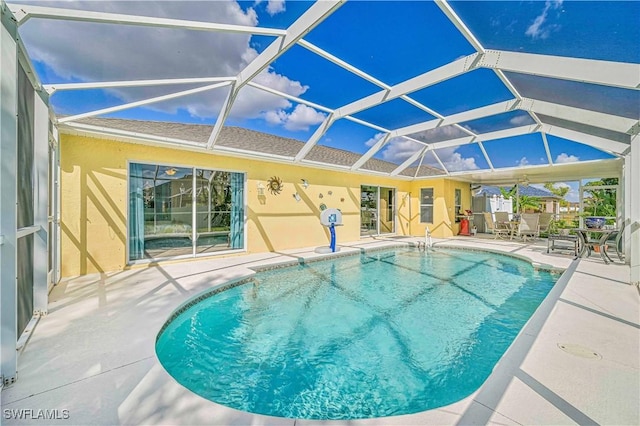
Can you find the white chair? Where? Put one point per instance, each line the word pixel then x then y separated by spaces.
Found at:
pixel 502 220
pixel 528 226
pixel 491 226
pixel 545 222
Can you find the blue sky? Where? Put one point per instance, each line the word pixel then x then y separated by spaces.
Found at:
pixel 390 41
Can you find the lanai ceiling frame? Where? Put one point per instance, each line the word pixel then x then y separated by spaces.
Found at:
pixel 613 74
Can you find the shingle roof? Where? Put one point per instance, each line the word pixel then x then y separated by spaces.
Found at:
pixel 253 141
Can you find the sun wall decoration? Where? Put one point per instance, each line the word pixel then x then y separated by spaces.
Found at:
pixel 274 185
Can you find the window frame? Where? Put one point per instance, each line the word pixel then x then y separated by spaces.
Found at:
pixel 427 205
pixel 457 203
pixel 130 261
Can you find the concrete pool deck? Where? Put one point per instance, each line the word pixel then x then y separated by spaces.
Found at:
pixel 575 362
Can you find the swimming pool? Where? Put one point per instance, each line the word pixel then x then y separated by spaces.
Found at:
pixel 383 333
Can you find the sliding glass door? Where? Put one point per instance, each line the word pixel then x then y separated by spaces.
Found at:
pixel 183 211
pixel 387 217
pixel 377 210
pixel 368 210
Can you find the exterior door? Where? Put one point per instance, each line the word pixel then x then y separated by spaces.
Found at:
pixel 368 210
pixel 386 216
pixel 377 210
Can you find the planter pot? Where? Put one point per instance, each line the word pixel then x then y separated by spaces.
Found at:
pixel 594 222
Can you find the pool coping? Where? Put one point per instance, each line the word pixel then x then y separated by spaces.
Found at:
pixel 536 384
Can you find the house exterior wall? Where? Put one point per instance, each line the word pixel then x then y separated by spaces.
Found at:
pixel 444 214
pixel 94 201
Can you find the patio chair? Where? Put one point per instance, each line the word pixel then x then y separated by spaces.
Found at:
pixel 615 241
pixel 502 219
pixel 544 223
pixel 491 226
pixel 528 226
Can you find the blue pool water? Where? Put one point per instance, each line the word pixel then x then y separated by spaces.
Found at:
pixel 379 334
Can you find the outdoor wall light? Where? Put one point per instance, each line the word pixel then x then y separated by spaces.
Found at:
pixel 260 188
pixel 305 184
pixel 297 197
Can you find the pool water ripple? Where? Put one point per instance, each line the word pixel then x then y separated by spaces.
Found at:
pixel 384 333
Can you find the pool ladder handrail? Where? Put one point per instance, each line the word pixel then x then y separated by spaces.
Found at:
pixel 427 243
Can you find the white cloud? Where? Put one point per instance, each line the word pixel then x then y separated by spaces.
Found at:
pixel 79 51
pixel 520 120
pixel 452 160
pixel 253 103
pixel 275 117
pixel 456 162
pixel 398 150
pixel 374 140
pixel 565 158
pixel 275 6
pixel 439 134
pixel 538 29
pixel 573 194
pixel 523 162
pixel 301 118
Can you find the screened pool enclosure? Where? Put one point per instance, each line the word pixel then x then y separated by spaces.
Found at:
pixel 493 93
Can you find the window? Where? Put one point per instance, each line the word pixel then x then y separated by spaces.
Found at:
pixel 458 204
pixel 426 205
pixel 183 211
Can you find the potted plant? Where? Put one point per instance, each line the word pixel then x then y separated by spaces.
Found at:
pixel 594 222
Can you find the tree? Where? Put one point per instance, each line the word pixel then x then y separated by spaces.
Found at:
pixel 601 202
pixel 508 193
pixel 523 202
pixel 559 191
pixel 527 202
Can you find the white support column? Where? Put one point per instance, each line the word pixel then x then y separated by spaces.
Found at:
pixel 632 197
pixel 40 205
pixel 55 206
pixel 623 205
pixel 8 198
pixel 580 204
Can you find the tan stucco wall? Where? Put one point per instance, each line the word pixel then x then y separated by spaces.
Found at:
pixel 94 201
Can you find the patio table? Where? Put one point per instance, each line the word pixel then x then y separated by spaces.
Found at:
pixel 587 244
pixel 511 225
pixel 573 240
